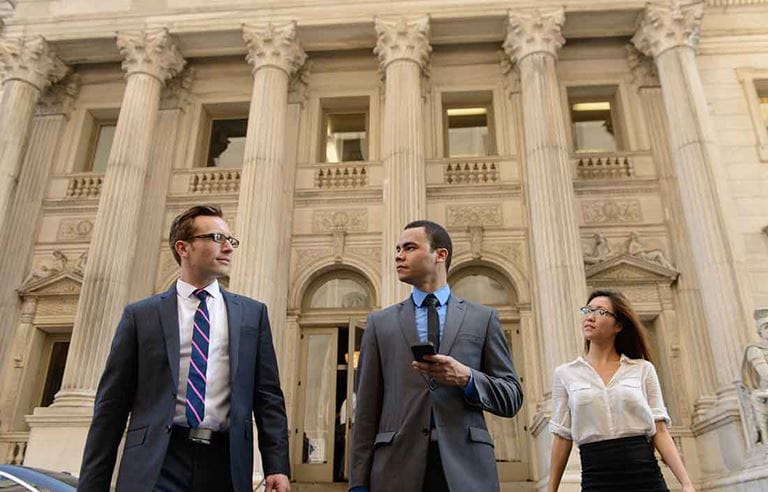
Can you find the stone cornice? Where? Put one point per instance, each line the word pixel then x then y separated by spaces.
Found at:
pixel 150 51
pixel 31 60
pixel 273 45
pixel 642 68
pixel 668 25
pixel 403 38
pixel 536 31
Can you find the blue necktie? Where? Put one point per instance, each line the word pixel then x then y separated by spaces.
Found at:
pixel 198 362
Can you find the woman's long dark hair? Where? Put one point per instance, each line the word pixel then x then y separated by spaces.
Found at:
pixel 631 340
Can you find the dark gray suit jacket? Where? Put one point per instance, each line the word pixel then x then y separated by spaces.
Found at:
pixel 394 402
pixel 141 379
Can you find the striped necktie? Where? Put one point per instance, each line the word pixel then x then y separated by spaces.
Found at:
pixel 198 362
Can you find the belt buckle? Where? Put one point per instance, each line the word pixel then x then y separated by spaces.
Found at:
pixel 201 436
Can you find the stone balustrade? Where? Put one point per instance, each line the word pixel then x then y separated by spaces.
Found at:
pixel 604 166
pixel 86 185
pixel 15 446
pixel 344 176
pixel 214 181
pixel 471 171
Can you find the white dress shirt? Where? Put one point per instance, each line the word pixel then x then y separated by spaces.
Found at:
pixel 217 386
pixel 584 409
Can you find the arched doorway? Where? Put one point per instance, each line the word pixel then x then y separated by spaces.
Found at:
pixel 481 283
pixel 333 309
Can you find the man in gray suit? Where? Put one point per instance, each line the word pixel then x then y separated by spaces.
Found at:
pixel 420 426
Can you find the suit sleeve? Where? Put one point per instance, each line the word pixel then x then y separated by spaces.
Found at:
pixel 370 389
pixel 269 404
pixel 114 399
pixel 498 387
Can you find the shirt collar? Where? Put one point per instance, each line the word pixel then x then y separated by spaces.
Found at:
pixel 442 294
pixel 186 290
pixel 622 360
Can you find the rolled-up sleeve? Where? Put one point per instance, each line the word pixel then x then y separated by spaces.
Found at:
pixel 560 422
pixel 653 393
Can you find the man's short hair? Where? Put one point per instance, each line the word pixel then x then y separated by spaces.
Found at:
pixel 183 227
pixel 437 236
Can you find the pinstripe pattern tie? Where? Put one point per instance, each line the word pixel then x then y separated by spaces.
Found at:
pixel 198 362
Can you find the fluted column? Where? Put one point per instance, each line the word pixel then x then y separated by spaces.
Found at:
pixel 151 58
pixel 533 39
pixel 403 50
pixel 19 233
pixel 669 32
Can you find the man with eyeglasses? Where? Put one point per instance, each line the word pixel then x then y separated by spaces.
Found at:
pixel 191 366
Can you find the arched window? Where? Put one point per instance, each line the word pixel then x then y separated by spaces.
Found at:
pixel 339 290
pixel 483 285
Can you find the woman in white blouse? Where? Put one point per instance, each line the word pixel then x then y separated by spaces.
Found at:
pixel 609 402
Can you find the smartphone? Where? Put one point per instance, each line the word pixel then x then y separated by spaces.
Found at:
pixel 421 349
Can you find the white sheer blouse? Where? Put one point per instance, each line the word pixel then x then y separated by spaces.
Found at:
pixel 585 410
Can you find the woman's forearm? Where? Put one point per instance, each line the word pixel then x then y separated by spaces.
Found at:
pixel 666 446
pixel 561 450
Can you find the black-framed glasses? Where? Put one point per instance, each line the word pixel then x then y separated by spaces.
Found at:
pixel 218 237
pixel 586 311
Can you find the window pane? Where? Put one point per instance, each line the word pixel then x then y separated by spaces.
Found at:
pixel 346 138
pixel 340 293
pixel 593 125
pixel 103 145
pixel 226 147
pixel 55 372
pixel 468 134
pixel 321 368
pixel 481 289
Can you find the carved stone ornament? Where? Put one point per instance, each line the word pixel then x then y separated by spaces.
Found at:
pixel 611 211
pixel 601 252
pixel 60 97
pixel 56 266
pixel 151 51
pixel 298 87
pixel 536 31
pixel 75 229
pixel 476 241
pixel 635 248
pixel 643 68
pixel 274 46
pixel 474 215
pixel 513 252
pixel 510 75
pixel 753 391
pixel 176 92
pixel 354 220
pixel 306 256
pixel 31 60
pixel 403 38
pixel 667 25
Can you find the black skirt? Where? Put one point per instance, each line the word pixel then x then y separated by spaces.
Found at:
pixel 626 464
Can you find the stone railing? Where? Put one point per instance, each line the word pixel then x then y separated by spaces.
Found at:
pixel 604 166
pixel 472 171
pixel 84 185
pixel 341 176
pixel 214 180
pixel 14 446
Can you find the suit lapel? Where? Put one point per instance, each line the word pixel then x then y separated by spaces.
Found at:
pixel 454 318
pixel 408 321
pixel 169 319
pixel 234 322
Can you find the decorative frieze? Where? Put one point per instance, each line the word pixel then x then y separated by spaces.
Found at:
pixel 611 211
pixel 474 215
pixel 305 256
pixel 341 177
pixel 352 220
pixel 151 51
pixel 604 167
pixel 471 172
pixel 665 26
pixel 31 60
pixel 55 264
pixel 75 230
pixel 602 251
pixel 215 181
pixel 273 45
pixel 536 31
pixel 404 38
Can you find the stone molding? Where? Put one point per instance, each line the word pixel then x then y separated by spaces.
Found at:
pixel 150 51
pixel 402 38
pixel 643 70
pixel 273 45
pixel 30 59
pixel 669 25
pixel 535 31
pixel 60 98
pixel 612 211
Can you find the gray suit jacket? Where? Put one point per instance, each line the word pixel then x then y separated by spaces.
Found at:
pixel 394 402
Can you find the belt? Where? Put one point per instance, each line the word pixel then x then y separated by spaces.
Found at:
pixel 200 435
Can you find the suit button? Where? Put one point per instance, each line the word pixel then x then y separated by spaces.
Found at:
pixel 486 401
pixel 173 395
pixel 168 429
pixel 425 431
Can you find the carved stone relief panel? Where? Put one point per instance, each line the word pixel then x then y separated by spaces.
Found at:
pixel 474 215
pixel 305 256
pixel 611 211
pixel 75 230
pixel 60 307
pixel 352 220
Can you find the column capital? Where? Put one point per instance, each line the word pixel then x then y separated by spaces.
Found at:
pixel 271 45
pixel 402 38
pixel 60 97
pixel 31 60
pixel 642 68
pixel 534 31
pixel 176 92
pixel 667 25
pixel 150 51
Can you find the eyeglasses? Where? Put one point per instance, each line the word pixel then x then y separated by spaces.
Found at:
pixel 218 237
pixel 586 311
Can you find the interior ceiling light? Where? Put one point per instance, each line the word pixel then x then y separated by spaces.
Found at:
pixel 592 106
pixel 466 111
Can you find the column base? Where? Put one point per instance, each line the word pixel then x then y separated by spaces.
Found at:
pixel 57 437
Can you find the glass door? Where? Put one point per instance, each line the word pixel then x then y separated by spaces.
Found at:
pixel 347 418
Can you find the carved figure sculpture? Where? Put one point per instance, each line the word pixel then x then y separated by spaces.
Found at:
pixel 601 250
pixel 754 372
pixel 635 248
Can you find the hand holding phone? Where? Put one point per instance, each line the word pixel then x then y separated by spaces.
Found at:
pixel 421 349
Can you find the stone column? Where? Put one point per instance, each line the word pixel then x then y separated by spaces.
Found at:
pixel 20 229
pixel 403 50
pixel 689 307
pixel 151 58
pixel 670 34
pixel 533 39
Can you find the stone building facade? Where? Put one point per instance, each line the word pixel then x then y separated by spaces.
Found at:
pixel 565 146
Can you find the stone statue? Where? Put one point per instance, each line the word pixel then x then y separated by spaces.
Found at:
pixel 635 248
pixel 601 250
pixel 56 265
pixel 754 373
